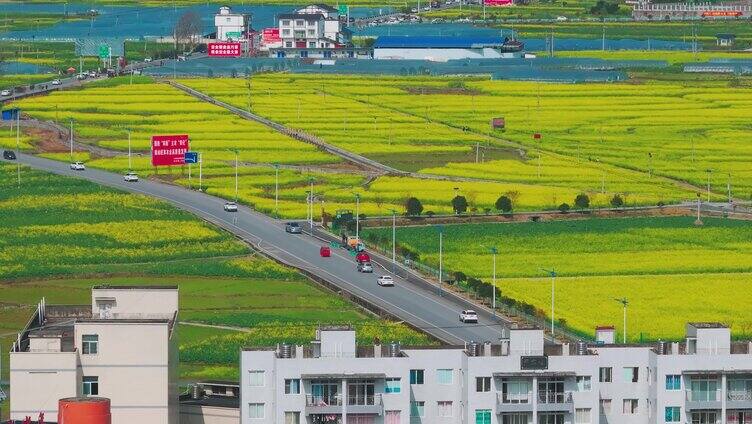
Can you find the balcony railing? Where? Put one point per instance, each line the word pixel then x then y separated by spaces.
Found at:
pixel 332 400
pixel 739 396
pixel 704 395
pixel 514 398
pixel 554 397
pixel 370 400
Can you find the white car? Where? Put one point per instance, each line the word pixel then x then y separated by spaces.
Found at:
pixel 5 93
pixel 468 315
pixel 561 18
pixel 130 177
pixel 386 281
pixel 81 76
pixel 56 82
pixel 231 207
pixel 147 59
pixel 78 166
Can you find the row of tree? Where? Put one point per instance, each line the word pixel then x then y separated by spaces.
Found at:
pixel 504 204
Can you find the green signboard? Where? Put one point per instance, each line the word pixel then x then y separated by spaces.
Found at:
pixel 233 34
pixel 104 51
pixel 343 9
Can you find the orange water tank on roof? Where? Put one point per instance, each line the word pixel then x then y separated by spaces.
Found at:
pixel 84 410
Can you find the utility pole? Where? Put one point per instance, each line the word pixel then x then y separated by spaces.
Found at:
pixel 394 240
pixel 624 302
pixel 71 140
pixel 18 145
pixel 276 190
pixel 357 216
pixel 728 187
pixel 493 278
pixel 603 40
pixel 698 221
pixel 650 165
pixel 310 220
pixel 200 172
pixel 709 172
pixel 130 166
pixel 552 274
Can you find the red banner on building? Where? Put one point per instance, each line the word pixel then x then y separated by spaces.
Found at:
pixel 168 150
pixel 224 49
pixel 270 35
pixel 498 2
pixel 721 13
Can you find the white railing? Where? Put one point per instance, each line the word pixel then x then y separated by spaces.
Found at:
pixel 331 400
pixel 704 395
pixel 554 397
pixel 514 398
pixel 739 395
pixel 366 400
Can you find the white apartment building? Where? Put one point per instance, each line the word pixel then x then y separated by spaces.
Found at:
pixel 310 30
pixel 231 26
pixel 123 347
pixel 706 379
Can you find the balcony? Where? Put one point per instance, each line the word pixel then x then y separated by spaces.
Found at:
pixel 323 404
pixel 517 402
pixel 555 402
pixel 704 399
pixel 739 399
pixel 370 404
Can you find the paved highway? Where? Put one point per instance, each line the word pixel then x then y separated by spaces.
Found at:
pixel 418 303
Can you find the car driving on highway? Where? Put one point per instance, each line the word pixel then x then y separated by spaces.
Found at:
pixel 468 315
pixel 56 82
pixel 5 93
pixel 9 155
pixel 385 281
pixel 78 166
pixel 130 177
pixel 231 207
pixel 365 267
pixel 293 228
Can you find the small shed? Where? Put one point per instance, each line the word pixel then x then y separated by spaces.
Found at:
pixel 725 39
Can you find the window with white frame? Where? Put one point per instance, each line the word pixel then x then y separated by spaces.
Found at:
pixel 89 344
pixel 256 411
pixel 285 32
pixel 445 408
pixel 582 416
pixel 673 414
pixel 605 406
pixel 583 383
pixel 673 382
pixel 630 406
pixel 292 417
pixel 292 386
pixel 417 409
pixel 518 418
pixel 444 376
pixel 300 22
pixel 393 385
pixel 285 22
pixel 605 375
pixel 288 44
pixel 482 384
pixel 90 386
pixel 256 378
pixel 482 416
pixel 631 374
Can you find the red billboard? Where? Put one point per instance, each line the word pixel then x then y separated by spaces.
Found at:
pixel 498 2
pixel 224 49
pixel 168 150
pixel 721 13
pixel 270 35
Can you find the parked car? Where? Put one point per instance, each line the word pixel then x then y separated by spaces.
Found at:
pixel 92 73
pixel 386 281
pixel 9 155
pixel 56 82
pixel 147 59
pixel 468 315
pixel 78 166
pixel 5 93
pixel 182 58
pixel 365 267
pixel 130 177
pixel 81 76
pixel 293 228
pixel 362 257
pixel 325 251
pixel 231 207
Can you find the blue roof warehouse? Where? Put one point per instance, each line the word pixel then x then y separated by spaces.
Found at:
pixel 444 48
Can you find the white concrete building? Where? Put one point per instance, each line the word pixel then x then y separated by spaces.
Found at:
pixel 705 379
pixel 445 48
pixel 231 26
pixel 123 347
pixel 314 27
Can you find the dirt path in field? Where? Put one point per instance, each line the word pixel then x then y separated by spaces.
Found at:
pixel 219 327
pixel 51 137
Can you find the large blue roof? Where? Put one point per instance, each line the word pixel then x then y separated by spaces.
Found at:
pixel 437 42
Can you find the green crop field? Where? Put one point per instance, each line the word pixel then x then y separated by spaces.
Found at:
pixel 8 81
pixel 671 56
pixel 671 271
pixel 59 236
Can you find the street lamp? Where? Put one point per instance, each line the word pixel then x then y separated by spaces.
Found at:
pixel 236 152
pixel 71 140
pixel 394 239
pixel 624 302
pixel 357 216
pixel 310 219
pixel 709 172
pixel 440 228
pixel 276 190
pixel 552 274
pixel 494 251
pixel 18 145
pixel 130 167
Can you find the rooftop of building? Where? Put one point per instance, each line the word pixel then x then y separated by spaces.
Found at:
pixel 304 16
pixel 116 287
pixel 707 325
pixel 438 41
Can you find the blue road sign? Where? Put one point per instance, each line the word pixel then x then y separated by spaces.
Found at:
pixel 191 157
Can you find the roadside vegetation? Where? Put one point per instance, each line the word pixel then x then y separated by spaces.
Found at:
pixel 670 270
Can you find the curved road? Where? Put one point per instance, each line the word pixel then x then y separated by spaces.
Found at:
pixel 416 302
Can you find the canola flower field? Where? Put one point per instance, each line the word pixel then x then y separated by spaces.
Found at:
pixel 671 270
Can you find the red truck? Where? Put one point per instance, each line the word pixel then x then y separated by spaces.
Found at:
pixel 362 257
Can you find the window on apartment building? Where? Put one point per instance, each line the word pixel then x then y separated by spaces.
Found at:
pixel 392 417
pixel 514 418
pixel 285 22
pixel 604 375
pixel 256 411
pixel 482 416
pixel 292 386
pixel 444 376
pixel 417 409
pixel 631 374
pixel 445 408
pixel 482 384
pixel 300 22
pixel 551 419
pixel 303 53
pixel 311 44
pixel 90 344
pixel 630 406
pixel 583 383
pixel 292 417
pixel 605 406
pixel 311 32
pixel 256 378
pixel 90 386
pixel 582 416
pixel 673 382
pixel 286 32
pixel 673 414
pixel 288 44
pixel 393 385
pixel 416 376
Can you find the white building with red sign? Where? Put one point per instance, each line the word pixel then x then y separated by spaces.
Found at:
pixel 312 31
pixel 232 26
pixel 645 10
